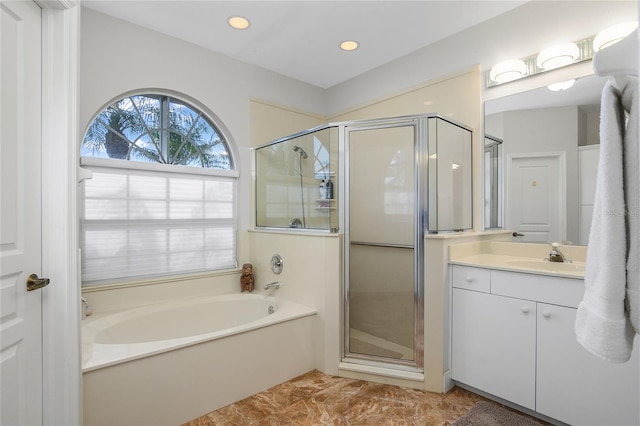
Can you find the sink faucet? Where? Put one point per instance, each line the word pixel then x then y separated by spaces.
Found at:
pixel 555 255
pixel 274 284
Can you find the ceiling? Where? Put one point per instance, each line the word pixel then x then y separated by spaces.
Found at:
pixel 300 39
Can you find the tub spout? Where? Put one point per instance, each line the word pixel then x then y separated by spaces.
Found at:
pixel 274 284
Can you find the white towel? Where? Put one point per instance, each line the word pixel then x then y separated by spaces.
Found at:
pixel 630 100
pixel 603 325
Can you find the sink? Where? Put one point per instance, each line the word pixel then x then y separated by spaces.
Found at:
pixel 546 266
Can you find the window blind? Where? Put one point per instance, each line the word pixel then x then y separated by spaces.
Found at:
pixel 141 223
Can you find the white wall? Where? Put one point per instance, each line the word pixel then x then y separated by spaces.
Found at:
pixel 518 33
pixel 118 57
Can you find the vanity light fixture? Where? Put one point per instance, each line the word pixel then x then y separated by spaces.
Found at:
pixel 349 45
pixel 238 22
pixel 558 56
pixel 509 70
pixel 612 35
pixel 563 85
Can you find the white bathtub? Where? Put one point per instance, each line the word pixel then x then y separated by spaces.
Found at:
pixel 138 364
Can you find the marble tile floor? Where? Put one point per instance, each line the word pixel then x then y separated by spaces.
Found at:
pixel 319 399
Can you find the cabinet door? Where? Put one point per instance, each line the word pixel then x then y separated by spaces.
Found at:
pixel 493 345
pixel 575 386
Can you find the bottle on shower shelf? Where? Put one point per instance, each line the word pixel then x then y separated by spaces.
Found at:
pixel 329 189
pixel 323 189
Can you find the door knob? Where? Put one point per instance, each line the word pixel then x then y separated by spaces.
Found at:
pixel 34 283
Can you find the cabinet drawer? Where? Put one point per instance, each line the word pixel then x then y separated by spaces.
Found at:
pixel 539 288
pixel 470 278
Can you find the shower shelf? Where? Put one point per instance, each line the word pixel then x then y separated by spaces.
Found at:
pixel 325 204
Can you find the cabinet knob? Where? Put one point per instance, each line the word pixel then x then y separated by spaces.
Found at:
pixel 546 314
pixel 525 309
pixel 470 279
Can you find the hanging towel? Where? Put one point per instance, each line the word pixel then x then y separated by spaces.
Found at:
pixel 604 318
pixel 630 101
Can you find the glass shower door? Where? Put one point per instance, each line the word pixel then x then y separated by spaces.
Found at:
pixel 381 244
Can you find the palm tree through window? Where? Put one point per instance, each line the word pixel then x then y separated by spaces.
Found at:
pixel 157 129
pixel 162 195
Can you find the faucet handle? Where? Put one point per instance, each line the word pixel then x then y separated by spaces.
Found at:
pixel 555 245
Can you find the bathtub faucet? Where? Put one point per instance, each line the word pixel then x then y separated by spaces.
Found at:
pixel 274 284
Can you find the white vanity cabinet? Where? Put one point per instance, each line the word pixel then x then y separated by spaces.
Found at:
pixel 513 337
pixel 576 387
pixel 493 345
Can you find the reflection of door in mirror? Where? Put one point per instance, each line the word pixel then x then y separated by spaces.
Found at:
pixel 543 121
pixel 535 201
pixel 492 182
pixel 589 157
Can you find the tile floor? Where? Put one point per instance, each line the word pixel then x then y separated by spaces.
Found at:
pixel 318 399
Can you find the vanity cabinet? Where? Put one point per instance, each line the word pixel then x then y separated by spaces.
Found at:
pixel 575 386
pixel 493 346
pixel 513 337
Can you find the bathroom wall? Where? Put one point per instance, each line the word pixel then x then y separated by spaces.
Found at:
pixel 518 33
pixel 118 57
pixel 545 130
pixel 312 261
pixel 270 121
pixel 311 276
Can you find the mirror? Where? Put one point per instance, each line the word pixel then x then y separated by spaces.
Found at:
pixel 542 181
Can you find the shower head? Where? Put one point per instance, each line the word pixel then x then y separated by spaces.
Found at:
pixel 296 148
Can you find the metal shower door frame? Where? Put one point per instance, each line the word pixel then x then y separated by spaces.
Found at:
pixel 421 156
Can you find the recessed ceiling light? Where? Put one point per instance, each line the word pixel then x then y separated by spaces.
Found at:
pixel 349 45
pixel 238 22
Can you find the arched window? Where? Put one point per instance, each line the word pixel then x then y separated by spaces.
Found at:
pixel 162 197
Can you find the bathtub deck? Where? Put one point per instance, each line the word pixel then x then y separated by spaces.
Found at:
pixel 316 398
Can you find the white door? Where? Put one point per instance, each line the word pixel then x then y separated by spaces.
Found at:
pixel 533 198
pixel 589 157
pixel 20 233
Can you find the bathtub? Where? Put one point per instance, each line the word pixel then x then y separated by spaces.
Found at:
pixel 169 363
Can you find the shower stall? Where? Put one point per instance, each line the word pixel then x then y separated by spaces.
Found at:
pixel 291 181
pixel 397 179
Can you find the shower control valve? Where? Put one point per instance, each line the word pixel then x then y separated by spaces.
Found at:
pixel 277 263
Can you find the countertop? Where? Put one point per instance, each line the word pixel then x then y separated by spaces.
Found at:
pixel 530 265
